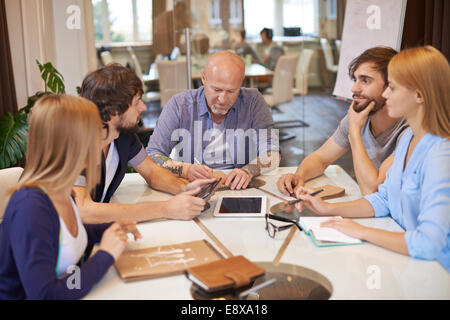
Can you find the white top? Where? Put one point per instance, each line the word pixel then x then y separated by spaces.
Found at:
pixel 70 249
pixel 111 162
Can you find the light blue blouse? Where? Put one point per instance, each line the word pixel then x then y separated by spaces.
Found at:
pixel 418 198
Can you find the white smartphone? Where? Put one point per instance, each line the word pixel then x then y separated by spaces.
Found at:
pixel 239 206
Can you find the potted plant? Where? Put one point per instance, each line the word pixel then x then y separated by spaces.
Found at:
pixel 14 128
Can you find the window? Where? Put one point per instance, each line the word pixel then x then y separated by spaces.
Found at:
pixel 258 15
pixel 332 10
pixel 235 12
pixel 301 13
pixel 118 21
pixel 214 15
pixel 296 13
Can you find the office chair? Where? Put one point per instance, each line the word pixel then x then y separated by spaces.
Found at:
pixel 172 78
pixel 8 177
pixel 302 73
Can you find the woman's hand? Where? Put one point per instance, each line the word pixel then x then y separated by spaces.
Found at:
pixel 346 226
pixel 313 203
pixel 115 239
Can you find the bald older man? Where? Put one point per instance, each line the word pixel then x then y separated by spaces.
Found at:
pixel 217 126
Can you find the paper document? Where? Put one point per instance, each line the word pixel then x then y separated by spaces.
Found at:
pixel 312 224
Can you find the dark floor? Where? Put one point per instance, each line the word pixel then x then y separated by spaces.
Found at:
pixel 321 112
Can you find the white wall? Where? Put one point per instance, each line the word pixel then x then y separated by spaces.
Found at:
pixel 75 46
pixel 25 28
pixel 38 30
pixel 368 23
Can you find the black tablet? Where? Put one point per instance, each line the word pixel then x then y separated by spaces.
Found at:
pixel 240 206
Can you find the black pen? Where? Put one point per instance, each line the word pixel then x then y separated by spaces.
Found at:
pixel 311 194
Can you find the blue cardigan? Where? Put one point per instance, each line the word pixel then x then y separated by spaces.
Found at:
pixel 29 246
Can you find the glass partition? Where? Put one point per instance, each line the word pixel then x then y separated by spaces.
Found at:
pixel 306 29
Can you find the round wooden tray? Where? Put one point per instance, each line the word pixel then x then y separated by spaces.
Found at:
pixel 292 283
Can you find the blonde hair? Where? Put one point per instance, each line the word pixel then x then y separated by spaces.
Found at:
pixel 63 140
pixel 426 70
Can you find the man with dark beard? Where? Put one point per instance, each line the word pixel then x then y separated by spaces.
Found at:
pixel 117 93
pixel 367 130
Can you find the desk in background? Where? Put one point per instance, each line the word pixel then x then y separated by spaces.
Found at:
pixel 252 72
pixel 350 269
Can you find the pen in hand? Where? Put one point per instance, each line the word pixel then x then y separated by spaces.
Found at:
pixel 311 194
pixel 207 172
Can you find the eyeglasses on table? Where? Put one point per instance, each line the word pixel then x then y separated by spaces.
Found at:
pixel 272 229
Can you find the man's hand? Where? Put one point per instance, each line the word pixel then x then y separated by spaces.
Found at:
pixel 287 183
pixel 185 206
pixel 201 183
pixel 198 183
pixel 356 120
pixel 199 171
pixel 238 179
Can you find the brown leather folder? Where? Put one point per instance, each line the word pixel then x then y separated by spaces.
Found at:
pixel 230 273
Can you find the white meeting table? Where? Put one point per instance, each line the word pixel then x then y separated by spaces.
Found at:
pixel 356 271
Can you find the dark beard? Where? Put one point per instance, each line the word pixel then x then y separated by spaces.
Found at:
pixel 128 130
pixel 379 104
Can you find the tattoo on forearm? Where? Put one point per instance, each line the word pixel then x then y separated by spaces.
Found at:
pixel 178 170
pixel 162 161
pixel 159 159
pixel 254 169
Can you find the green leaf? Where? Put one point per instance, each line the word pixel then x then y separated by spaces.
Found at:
pixel 14 129
pixel 31 101
pixel 52 78
pixel 13 139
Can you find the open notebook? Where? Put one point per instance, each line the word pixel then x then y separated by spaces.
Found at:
pixel 323 237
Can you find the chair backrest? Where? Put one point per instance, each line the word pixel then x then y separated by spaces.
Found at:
pixel 8 177
pixel 106 57
pixel 338 45
pixel 328 54
pixel 302 74
pixel 283 79
pixel 172 79
pixel 136 64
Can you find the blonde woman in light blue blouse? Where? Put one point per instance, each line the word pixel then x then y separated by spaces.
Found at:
pixel 416 192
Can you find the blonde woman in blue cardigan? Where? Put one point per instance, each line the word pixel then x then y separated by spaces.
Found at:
pixel 416 193
pixel 42 237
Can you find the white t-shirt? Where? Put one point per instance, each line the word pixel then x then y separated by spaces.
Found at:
pixel 70 249
pixel 111 162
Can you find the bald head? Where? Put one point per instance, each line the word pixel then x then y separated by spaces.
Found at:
pixel 222 79
pixel 225 64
